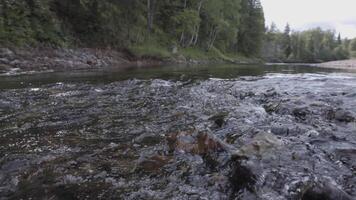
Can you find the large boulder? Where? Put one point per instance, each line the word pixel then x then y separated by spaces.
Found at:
pixel 261 145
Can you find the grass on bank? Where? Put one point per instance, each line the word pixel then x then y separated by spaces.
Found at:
pixel 353 54
pixel 156 50
pixel 151 50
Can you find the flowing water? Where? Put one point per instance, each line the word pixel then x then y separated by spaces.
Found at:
pixel 179 132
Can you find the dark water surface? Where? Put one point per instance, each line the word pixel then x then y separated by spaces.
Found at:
pixel 176 73
pixel 179 132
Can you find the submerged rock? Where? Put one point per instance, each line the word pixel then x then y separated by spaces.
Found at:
pixel 340 115
pixel 195 143
pixel 262 144
pixel 148 139
pixel 325 191
pixel 301 113
pixel 153 163
pixel 242 176
pixel 219 119
pixel 344 116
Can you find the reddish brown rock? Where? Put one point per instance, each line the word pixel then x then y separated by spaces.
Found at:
pixel 201 143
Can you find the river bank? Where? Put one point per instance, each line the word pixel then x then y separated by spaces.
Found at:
pixel 14 61
pixel 340 64
pixel 30 60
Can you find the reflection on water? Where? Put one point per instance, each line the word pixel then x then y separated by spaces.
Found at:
pixel 200 72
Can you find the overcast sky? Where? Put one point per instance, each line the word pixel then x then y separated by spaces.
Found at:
pixel 303 14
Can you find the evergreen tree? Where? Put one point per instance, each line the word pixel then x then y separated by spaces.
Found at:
pixel 313 45
pixel 353 45
pixel 339 41
pixel 252 27
pixel 287 49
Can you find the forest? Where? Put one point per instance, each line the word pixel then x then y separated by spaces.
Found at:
pixel 162 28
pixel 315 45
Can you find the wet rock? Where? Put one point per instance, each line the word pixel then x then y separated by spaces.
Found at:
pixel 153 163
pixel 244 95
pixel 201 143
pixel 4 68
pixel 5 105
pixel 313 133
pixel 113 145
pixel 15 165
pixel 282 130
pixel 262 144
pixel 344 116
pixel 6 53
pixel 148 139
pixel 301 113
pixel 270 93
pixel 340 115
pixel 219 119
pixel 271 107
pixel 347 156
pixel 4 61
pixel 101 175
pixel 325 191
pixel 15 63
pixel 70 179
pixel 243 176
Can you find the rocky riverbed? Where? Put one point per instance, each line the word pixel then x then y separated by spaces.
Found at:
pixel 273 137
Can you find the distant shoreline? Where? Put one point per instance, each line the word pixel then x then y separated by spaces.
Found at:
pixel 17 61
pixel 349 64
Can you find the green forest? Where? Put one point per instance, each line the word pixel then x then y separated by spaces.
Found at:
pixel 315 45
pixel 197 28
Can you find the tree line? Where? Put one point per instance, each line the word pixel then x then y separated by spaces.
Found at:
pixel 315 45
pixel 233 26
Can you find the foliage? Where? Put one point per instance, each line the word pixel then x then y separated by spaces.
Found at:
pixel 229 26
pixel 353 45
pixel 315 45
pixel 28 22
pixel 251 32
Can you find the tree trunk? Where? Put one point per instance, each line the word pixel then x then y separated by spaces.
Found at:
pixel 212 41
pixel 192 38
pixel 200 5
pixel 181 41
pixel 197 28
pixel 196 36
pixel 150 14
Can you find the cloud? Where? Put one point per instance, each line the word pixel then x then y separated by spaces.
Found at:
pixel 323 25
pixel 350 22
pixel 301 14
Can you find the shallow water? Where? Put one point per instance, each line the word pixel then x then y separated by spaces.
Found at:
pixel 175 73
pixel 203 132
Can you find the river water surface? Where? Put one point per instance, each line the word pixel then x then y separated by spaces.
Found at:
pixel 179 132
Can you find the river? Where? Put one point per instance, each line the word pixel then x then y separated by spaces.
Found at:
pixel 179 132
